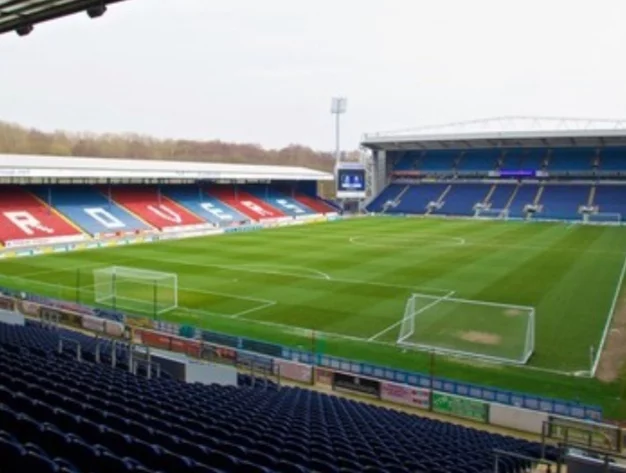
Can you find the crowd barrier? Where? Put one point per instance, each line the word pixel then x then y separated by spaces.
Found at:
pixel 339 375
pixel 188 339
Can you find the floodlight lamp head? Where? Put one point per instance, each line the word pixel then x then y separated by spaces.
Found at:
pixel 339 105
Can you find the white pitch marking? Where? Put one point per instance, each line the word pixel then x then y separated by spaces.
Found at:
pixel 301 276
pixel 609 319
pixel 254 309
pixel 287 266
pixel 406 242
pixel 71 268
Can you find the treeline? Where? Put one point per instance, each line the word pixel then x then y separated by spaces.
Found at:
pixel 16 139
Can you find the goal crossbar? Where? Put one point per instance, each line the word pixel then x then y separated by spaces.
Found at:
pixel 492 213
pixel 136 289
pixel 450 325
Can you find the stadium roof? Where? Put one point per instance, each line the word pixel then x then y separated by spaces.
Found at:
pixel 12 165
pixel 504 132
pixel 22 15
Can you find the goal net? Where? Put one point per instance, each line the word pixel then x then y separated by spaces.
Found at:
pixel 478 329
pixel 501 214
pixel 136 290
pixel 604 218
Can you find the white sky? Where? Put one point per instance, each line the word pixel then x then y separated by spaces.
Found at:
pixel 263 71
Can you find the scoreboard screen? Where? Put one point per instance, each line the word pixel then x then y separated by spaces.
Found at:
pixel 351 182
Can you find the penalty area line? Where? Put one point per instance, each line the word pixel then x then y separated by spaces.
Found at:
pixel 253 309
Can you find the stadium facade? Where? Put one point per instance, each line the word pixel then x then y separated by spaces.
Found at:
pixel 523 168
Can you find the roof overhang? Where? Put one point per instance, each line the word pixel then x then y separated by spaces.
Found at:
pixel 12 165
pixel 20 15
pixel 500 133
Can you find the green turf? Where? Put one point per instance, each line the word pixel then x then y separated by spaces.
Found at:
pixel 350 280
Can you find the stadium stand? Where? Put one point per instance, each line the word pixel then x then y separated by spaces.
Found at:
pixel 25 217
pixel 611 198
pixel 571 160
pixel 479 160
pixel 244 202
pixel 278 200
pixel 150 206
pixel 612 159
pixel 563 202
pixel 197 201
pixel 417 197
pixel 314 203
pixel 526 195
pixel 59 414
pixel 462 198
pixel 500 196
pixel 524 159
pixel 388 198
pixel 88 208
pixel 439 161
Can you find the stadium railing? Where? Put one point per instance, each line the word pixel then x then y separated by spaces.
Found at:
pixel 386 374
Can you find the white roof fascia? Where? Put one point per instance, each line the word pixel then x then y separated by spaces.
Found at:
pixel 76 167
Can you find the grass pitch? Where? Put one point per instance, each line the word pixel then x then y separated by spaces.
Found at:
pixel 349 281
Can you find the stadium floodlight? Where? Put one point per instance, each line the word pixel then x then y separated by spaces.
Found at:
pixel 502 333
pixel 136 290
pixel 338 106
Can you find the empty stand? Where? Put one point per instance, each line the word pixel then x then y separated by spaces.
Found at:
pixel 462 198
pixel 25 217
pixel 245 203
pixel 57 414
pixel 149 205
pixel 279 200
pixel 314 203
pixel 571 159
pixel 390 194
pixel 443 160
pixel 210 208
pixel 499 198
pixel 88 208
pixel 526 195
pixel 531 159
pixel 611 199
pixel 612 159
pixel 479 160
pixel 563 202
pixel 417 197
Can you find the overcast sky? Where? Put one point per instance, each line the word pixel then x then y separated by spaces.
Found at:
pixel 263 71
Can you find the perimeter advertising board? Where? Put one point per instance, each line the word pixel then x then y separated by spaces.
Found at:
pixel 461 407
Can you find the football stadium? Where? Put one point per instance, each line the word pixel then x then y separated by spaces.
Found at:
pixel 457 307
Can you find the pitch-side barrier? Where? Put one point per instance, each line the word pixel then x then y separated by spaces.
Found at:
pixel 482 404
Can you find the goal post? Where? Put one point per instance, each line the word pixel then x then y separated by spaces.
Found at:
pixel 503 333
pixel 493 214
pixel 135 289
pixel 603 218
